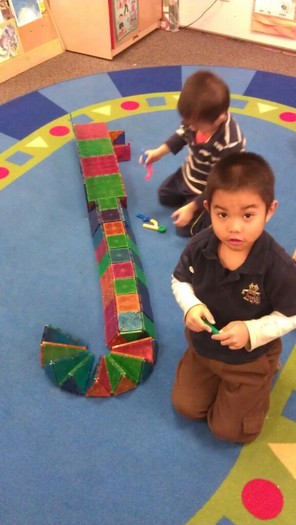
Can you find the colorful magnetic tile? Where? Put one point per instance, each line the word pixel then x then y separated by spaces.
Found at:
pixel 98 236
pixel 115 372
pixel 110 310
pixel 130 322
pixel 122 152
pixel 120 255
pixel 145 299
pixel 123 269
pixel 56 335
pixel 111 330
pixel 117 136
pixel 140 274
pixel 101 249
pixel 55 351
pixel 128 303
pixel 103 165
pixel 110 215
pixel 131 366
pixel 113 228
pixel 142 348
pixel 125 286
pixel 99 382
pixel 125 384
pixel 92 130
pixel 93 220
pixel 117 241
pixel 89 147
pixel 107 185
pixel 79 376
pixel 133 246
pixel 104 263
pixel 107 203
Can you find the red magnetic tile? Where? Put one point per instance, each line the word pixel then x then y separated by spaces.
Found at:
pixel 122 270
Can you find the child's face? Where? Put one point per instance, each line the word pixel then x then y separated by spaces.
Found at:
pixel 239 217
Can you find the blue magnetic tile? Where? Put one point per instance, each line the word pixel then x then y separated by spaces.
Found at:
pixel 21 116
pixel 138 81
pixel 290 409
pixel 19 158
pixel 157 101
pixel 274 87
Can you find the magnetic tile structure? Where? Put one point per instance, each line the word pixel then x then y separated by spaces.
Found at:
pixel 128 317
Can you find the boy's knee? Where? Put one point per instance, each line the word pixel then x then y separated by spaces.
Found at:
pixel 186 410
pixel 244 431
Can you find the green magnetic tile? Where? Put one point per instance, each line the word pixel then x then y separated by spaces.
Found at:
pixel 130 322
pixel 89 148
pixel 64 366
pixel 105 147
pixel 107 203
pixel 149 326
pixel 117 241
pixel 56 351
pixel 120 255
pixel 147 370
pixel 115 372
pixel 104 263
pixel 131 366
pixel 125 286
pixel 102 186
pixel 81 373
pixel 132 245
pixel 140 274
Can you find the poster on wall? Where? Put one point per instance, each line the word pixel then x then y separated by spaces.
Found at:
pixel 125 14
pixel 275 17
pixel 10 45
pixel 25 11
pixel 5 11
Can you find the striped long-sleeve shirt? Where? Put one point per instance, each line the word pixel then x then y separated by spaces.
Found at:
pixel 202 156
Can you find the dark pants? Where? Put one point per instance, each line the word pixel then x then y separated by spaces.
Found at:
pixel 234 399
pixel 174 192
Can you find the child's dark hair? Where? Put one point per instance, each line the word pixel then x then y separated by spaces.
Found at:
pixel 243 170
pixel 204 96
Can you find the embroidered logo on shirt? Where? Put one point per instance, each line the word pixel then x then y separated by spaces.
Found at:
pixel 252 294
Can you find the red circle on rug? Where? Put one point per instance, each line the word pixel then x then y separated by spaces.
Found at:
pixel 130 105
pixel 263 499
pixel 59 131
pixel 4 172
pixel 288 116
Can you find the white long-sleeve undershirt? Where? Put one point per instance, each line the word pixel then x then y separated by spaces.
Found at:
pixel 261 331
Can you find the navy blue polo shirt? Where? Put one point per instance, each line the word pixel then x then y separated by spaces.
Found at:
pixel 264 283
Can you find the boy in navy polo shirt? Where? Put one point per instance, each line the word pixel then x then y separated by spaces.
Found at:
pixel 210 132
pixel 236 277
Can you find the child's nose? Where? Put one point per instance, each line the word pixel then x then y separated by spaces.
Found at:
pixel 234 225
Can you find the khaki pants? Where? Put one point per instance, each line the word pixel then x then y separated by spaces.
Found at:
pixel 234 399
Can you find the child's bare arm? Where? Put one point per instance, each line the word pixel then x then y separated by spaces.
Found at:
pixel 184 214
pixel 153 155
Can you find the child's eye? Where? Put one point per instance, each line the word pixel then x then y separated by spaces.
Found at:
pixel 222 215
pixel 248 215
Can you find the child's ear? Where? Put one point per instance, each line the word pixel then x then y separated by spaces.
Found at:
pixel 206 206
pixel 271 210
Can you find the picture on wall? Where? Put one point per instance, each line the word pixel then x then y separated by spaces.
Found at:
pixel 275 17
pixel 125 14
pixel 25 11
pixel 10 45
pixel 5 11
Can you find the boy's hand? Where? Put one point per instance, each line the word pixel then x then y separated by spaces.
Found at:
pixel 153 155
pixel 235 335
pixel 184 214
pixel 194 318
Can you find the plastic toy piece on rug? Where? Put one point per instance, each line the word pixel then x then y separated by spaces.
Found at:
pixel 128 318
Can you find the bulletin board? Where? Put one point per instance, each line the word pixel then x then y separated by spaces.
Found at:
pixel 275 17
pixel 28 36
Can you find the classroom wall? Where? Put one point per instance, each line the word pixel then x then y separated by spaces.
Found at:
pixel 229 18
